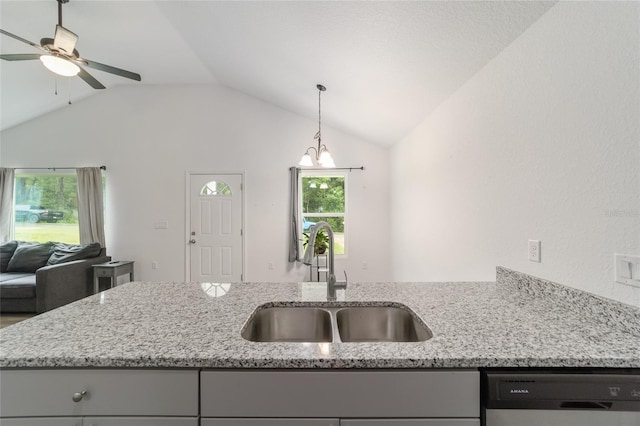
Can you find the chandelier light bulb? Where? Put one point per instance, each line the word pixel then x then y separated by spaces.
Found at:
pixel 306 160
pixel 329 164
pixel 325 156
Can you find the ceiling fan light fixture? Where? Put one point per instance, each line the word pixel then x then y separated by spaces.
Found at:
pixel 60 65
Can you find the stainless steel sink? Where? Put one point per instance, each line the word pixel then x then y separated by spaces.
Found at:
pixel 380 324
pixel 335 323
pixel 289 324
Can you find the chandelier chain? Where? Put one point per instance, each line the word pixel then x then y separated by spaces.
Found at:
pixel 319 134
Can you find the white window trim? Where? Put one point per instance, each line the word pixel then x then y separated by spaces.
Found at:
pixel 345 215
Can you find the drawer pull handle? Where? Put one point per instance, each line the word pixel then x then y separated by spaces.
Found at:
pixel 77 397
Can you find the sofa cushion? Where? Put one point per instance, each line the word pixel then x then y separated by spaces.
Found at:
pixel 68 252
pixel 17 285
pixel 6 251
pixel 30 257
pixel 9 276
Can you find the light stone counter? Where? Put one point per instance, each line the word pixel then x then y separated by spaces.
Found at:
pixel 518 321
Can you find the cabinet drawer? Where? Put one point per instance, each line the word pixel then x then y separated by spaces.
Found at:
pixel 42 421
pixel 410 422
pixel 269 422
pixel 28 393
pixel 140 421
pixel 355 394
pixel 103 272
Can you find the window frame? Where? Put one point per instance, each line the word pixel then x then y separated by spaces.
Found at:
pixel 322 174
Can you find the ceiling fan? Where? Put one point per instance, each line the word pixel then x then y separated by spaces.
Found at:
pixel 61 57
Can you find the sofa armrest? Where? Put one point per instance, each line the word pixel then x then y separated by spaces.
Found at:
pixel 57 285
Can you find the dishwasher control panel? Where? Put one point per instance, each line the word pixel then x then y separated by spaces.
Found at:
pixel 613 390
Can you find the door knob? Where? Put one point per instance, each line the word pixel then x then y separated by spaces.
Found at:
pixel 192 241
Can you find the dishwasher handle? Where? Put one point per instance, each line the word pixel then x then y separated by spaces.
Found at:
pixel 589 405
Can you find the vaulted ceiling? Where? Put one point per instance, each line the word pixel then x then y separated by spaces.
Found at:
pixel 386 64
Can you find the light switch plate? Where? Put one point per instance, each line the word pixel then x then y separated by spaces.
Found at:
pixel 627 269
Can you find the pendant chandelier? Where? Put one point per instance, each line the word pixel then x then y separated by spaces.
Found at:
pixel 322 154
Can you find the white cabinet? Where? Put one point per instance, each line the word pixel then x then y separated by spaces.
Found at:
pixel 410 422
pixel 99 421
pixel 347 397
pixel 42 421
pixel 156 397
pixel 340 394
pixel 139 421
pixel 74 397
pixel 270 422
pixel 338 422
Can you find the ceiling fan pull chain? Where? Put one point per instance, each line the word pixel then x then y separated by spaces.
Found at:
pixel 56 85
pixel 69 87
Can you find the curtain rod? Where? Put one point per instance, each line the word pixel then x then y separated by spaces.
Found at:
pixel 54 168
pixel 328 169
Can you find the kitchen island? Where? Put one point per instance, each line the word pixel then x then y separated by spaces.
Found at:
pixel 518 321
pixel 172 354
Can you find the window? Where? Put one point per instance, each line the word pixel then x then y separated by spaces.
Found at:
pixel 46 207
pixel 323 198
pixel 215 188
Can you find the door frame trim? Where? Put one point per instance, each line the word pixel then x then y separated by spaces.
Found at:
pixel 187 203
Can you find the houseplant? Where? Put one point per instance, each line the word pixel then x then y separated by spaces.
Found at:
pixel 321 243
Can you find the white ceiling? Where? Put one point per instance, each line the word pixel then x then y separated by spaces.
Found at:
pixel 386 64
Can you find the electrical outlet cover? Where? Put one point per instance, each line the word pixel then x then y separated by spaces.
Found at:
pixel 534 251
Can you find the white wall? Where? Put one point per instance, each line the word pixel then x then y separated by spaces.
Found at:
pixel 149 136
pixel 543 143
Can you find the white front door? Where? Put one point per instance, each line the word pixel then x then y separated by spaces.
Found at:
pixel 215 219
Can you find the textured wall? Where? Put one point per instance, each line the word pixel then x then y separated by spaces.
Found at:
pixel 149 137
pixel 543 143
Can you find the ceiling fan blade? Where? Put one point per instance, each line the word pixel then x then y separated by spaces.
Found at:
pixel 21 56
pixel 110 69
pixel 37 46
pixel 88 78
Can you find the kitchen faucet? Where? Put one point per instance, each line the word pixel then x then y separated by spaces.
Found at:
pixel 332 285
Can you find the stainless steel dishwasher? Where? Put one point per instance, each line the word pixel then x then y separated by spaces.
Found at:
pixel 561 398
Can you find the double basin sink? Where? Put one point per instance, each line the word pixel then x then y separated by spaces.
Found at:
pixel 341 323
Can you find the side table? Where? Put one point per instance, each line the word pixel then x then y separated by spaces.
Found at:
pixel 112 270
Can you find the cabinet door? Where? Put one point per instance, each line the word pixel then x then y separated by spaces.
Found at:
pixel 42 421
pixel 140 421
pixel 33 393
pixel 269 422
pixel 341 394
pixel 410 422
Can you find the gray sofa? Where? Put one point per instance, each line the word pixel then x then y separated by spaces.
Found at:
pixel 38 277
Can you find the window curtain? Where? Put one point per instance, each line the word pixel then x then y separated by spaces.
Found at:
pixel 6 203
pixel 90 205
pixel 294 246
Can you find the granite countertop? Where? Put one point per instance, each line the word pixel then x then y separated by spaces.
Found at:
pixel 517 321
